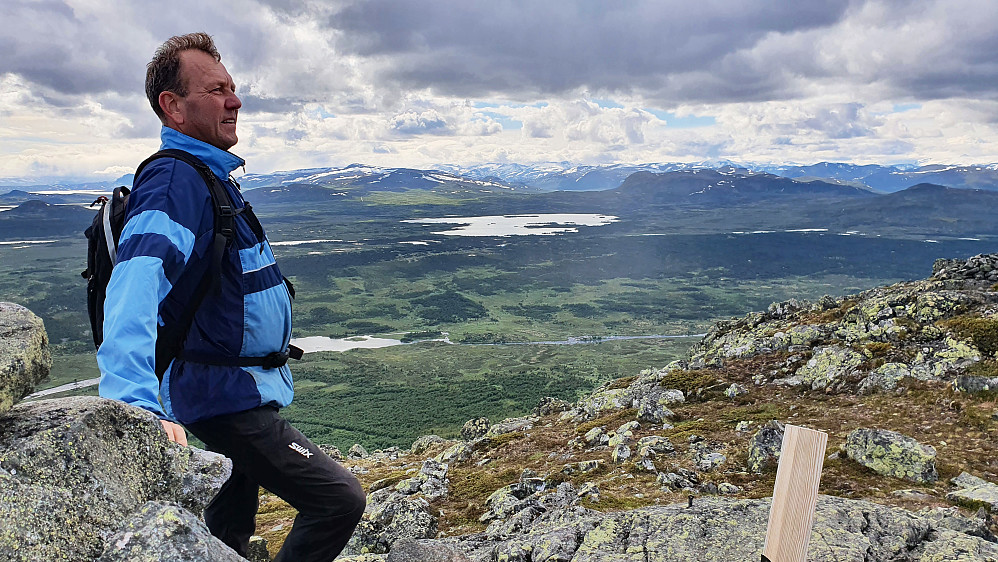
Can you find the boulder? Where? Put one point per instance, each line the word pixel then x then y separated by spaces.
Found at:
pixel 257 551
pixel 24 356
pixel 390 517
pixel 473 429
pixel 165 532
pixel 723 529
pixel 826 366
pixel 409 550
pixel 764 448
pixel 885 377
pixel 550 405
pixel 357 451
pixel 72 469
pixel 974 491
pixel 456 453
pixel 425 442
pixel 971 384
pixel 891 454
pixel 510 425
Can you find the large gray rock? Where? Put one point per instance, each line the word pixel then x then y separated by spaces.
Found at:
pixel 72 469
pixel 764 448
pixel 409 550
pixel 166 532
pixel 892 454
pixel 390 517
pixel 473 429
pixel 24 356
pixel 974 491
pixel 726 530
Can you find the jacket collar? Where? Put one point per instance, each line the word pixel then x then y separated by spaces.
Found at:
pixel 222 162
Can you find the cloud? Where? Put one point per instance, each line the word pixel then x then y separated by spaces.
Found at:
pixel 407 82
pixel 415 123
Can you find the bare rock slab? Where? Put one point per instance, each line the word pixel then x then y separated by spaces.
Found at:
pixel 72 469
pixel 166 532
pixel 24 355
pixel 974 491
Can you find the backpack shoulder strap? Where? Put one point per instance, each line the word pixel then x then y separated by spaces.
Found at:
pixel 170 339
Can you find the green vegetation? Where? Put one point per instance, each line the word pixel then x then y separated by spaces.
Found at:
pixel 982 332
pixel 379 275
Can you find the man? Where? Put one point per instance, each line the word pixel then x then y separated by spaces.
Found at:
pixel 164 251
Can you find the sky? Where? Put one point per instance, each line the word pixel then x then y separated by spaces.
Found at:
pixel 419 83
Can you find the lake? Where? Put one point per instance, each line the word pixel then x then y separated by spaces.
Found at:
pixel 517 225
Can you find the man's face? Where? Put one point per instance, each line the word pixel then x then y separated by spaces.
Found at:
pixel 210 108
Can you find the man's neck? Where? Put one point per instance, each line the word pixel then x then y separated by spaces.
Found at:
pixel 221 162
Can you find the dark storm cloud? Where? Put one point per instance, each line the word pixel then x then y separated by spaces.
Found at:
pixel 51 46
pixel 475 48
pixel 669 50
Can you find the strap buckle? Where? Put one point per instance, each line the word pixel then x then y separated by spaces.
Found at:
pixel 274 360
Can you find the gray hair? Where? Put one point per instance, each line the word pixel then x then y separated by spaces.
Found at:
pixel 163 71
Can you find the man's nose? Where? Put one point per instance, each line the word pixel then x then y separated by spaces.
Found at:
pixel 233 102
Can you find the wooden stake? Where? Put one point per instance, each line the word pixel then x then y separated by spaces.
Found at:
pixel 795 495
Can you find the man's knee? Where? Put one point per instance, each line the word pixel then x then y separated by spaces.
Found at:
pixel 347 502
pixel 355 501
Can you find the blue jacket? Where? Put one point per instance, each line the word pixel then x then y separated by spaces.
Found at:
pixel 169 231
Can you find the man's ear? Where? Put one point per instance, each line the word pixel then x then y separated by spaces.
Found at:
pixel 171 104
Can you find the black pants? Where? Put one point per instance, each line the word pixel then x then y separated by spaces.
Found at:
pixel 267 451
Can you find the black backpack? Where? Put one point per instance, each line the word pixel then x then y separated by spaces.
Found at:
pixel 102 244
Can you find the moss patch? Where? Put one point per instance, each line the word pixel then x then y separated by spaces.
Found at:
pixel 982 332
pixel 691 381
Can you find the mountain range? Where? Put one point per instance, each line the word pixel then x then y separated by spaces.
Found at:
pixel 565 176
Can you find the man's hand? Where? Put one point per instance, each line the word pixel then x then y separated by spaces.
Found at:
pixel 175 433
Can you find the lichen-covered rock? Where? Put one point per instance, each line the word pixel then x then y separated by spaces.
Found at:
pixel 357 451
pixel 46 523
pixel 620 454
pixel 510 425
pixel 475 428
pixel 974 491
pixel 892 454
pixel 764 447
pixel 975 384
pixel 77 467
pixel 390 518
pixel 654 446
pixel 24 355
pixel 510 499
pixel 257 551
pixel 826 366
pixel 425 442
pixel 456 453
pixel 581 467
pixel 409 550
pixel 727 530
pixel 550 405
pixel 165 532
pixel 885 377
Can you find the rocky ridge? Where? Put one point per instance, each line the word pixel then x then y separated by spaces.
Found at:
pixel 670 464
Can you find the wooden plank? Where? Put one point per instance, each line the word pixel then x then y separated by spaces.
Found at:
pixel 795 495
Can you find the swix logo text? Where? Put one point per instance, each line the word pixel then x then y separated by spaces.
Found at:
pixel 301 450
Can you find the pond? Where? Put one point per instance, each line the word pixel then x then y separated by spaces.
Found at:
pixel 517 225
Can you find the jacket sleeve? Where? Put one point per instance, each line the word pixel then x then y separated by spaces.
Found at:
pixel 166 215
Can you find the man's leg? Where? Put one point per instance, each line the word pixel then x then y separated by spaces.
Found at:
pixel 231 515
pixel 275 455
